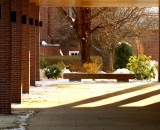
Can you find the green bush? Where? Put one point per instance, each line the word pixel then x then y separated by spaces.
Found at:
pixel 53 72
pixel 142 67
pixel 43 61
pixel 122 53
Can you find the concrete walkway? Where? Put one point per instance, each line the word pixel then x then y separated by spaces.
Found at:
pixel 92 106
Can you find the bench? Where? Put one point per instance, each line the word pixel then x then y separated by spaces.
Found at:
pixel 79 76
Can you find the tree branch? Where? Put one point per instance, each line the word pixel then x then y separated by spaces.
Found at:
pixel 74 10
pixel 96 28
pixel 65 14
pixel 100 12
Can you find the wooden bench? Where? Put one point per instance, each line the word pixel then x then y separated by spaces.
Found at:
pixel 79 76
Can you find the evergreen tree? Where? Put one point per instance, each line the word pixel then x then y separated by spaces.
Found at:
pixel 122 54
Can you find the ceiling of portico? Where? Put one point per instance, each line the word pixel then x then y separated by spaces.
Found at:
pixel 97 3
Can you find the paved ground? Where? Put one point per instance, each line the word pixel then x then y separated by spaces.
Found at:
pixel 100 106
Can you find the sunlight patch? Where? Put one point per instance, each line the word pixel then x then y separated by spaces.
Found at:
pixel 144 102
pixel 123 97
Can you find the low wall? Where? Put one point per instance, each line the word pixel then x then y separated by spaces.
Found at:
pixel 50 50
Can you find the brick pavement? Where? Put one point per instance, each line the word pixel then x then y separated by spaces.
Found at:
pixel 92 106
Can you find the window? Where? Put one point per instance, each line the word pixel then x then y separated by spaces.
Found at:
pixel 73 53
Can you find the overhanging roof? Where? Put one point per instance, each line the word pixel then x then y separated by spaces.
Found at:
pixel 97 3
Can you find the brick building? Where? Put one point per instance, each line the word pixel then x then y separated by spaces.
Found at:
pixel 148 44
pixel 52 33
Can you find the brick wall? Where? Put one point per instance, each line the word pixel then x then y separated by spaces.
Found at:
pixel 32 46
pixel 5 58
pixel 50 50
pixel 25 48
pixel 44 28
pixel 53 23
pixel 72 46
pixel 16 83
pixel 148 44
pixel 52 20
pixel 151 44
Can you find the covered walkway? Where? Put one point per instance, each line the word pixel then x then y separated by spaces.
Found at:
pixel 19 42
pixel 90 106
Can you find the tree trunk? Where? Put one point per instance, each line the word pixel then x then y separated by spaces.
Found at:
pixel 110 63
pixel 83 33
pixel 107 60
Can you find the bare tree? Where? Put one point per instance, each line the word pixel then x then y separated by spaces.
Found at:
pixel 80 19
pixel 116 25
pixel 104 28
pixel 59 29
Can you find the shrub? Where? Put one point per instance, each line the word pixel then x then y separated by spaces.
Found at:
pixel 65 59
pixel 68 60
pixel 142 67
pixel 53 72
pixel 122 53
pixel 61 65
pixel 75 67
pixel 93 67
pixel 43 61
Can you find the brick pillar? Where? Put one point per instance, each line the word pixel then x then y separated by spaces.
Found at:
pixel 16 52
pixel 159 48
pixel 32 45
pixel 5 57
pixel 37 44
pixel 25 47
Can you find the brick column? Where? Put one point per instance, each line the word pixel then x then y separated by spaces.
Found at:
pixel 25 47
pixel 5 57
pixel 37 44
pixel 159 48
pixel 16 52
pixel 32 45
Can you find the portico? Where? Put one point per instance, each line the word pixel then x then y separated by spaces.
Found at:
pixel 19 42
